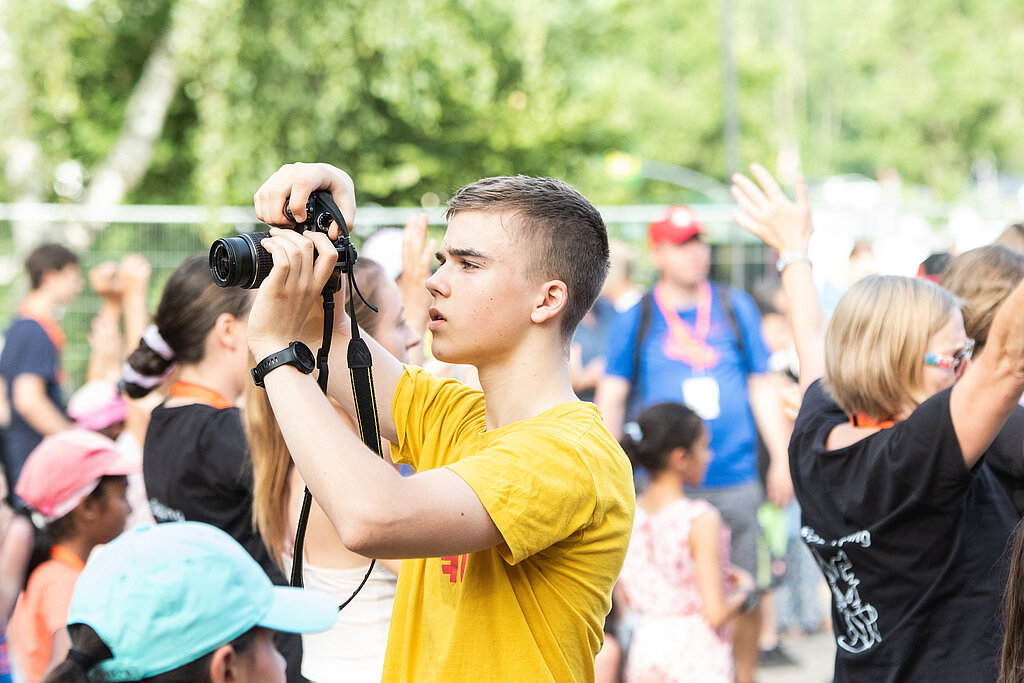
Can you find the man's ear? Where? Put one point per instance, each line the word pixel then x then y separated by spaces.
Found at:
pixel 554 297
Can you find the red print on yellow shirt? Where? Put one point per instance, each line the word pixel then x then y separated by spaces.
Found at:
pixel 454 567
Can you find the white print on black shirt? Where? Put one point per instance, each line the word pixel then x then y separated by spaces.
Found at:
pixel 163 513
pixel 861 618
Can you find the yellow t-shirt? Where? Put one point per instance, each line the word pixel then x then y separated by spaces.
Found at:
pixel 560 491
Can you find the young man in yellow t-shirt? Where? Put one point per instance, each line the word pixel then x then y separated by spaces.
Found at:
pixel 523 502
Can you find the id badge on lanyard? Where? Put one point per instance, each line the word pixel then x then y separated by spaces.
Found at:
pixel 689 345
pixel 701 395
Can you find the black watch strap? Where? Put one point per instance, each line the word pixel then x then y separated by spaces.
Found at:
pixel 295 354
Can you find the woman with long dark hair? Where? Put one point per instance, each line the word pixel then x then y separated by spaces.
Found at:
pixel 195 460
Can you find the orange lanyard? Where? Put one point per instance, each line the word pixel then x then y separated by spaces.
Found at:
pixel 200 393
pixel 866 422
pixel 66 557
pixel 49 326
pixel 685 343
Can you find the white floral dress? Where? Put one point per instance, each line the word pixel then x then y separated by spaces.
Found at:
pixel 672 641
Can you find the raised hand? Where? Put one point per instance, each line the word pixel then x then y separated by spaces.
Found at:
pixel 769 214
pixel 417 253
pixel 104 281
pixel 133 274
pixel 292 289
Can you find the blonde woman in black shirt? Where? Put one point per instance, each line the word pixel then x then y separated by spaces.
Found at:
pixel 908 524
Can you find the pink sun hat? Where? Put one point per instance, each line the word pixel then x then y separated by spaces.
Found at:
pixel 97 405
pixel 66 467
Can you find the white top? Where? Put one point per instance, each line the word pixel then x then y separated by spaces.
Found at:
pixel 353 649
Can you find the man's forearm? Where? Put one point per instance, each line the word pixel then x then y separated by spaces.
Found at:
pixel 348 480
pixel 377 512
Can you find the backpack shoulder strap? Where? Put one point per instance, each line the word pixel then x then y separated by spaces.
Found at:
pixel 643 328
pixel 725 301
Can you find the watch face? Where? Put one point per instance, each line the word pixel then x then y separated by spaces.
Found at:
pixel 304 355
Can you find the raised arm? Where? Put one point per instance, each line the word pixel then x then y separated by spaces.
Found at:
pixel 786 226
pixel 417 255
pixel 981 401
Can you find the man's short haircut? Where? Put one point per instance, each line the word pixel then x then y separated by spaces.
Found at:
pixel 48 258
pixel 876 341
pixel 565 236
pixel 983 278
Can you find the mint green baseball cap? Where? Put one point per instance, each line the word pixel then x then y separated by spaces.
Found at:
pixel 163 596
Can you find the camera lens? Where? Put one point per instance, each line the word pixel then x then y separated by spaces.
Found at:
pixel 240 261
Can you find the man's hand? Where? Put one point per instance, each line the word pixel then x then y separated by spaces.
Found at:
pixel 417 253
pixel 769 214
pixel 292 184
pixel 292 289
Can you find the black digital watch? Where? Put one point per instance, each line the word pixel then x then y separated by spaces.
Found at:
pixel 296 354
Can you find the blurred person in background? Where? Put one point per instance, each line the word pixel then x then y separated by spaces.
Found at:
pixel 99 407
pixel 677 574
pixel 76 481
pixel 586 355
pixel 195 462
pixel 934 267
pixel 983 278
pixel 182 602
pixel 694 342
pixel 1012 238
pixel 353 649
pixel 620 287
pixel 906 521
pixel 30 363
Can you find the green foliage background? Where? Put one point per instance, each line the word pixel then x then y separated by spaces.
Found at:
pixel 424 95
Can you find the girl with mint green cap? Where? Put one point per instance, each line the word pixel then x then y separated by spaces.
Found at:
pixel 181 602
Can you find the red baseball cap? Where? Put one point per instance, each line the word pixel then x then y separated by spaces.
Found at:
pixel 66 467
pixel 678 224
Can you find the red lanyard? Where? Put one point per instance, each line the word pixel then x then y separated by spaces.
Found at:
pixel 685 343
pixel 200 393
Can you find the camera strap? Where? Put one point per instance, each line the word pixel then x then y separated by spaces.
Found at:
pixel 360 363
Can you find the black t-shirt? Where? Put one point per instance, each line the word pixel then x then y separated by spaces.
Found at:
pixel 196 467
pixel 910 541
pixel 1006 458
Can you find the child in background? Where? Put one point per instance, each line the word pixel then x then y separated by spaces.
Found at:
pixel 182 602
pixel 99 407
pixel 77 481
pixel 676 574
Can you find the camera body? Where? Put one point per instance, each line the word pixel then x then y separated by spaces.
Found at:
pixel 243 262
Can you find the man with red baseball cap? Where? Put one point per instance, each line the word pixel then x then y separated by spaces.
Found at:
pixel 694 342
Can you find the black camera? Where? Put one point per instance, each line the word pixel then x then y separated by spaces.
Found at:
pixel 243 262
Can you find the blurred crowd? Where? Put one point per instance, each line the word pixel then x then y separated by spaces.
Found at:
pixel 878 504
